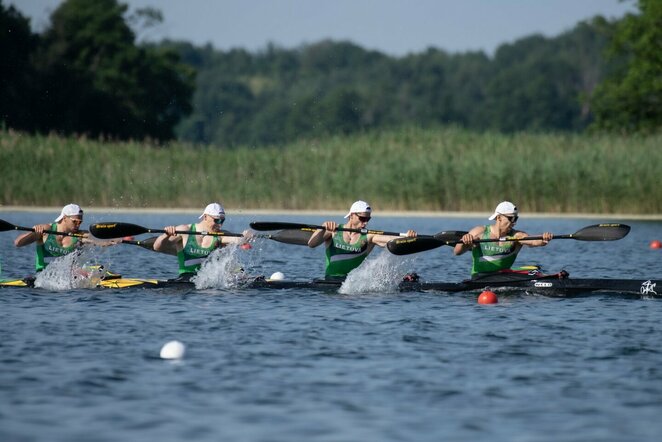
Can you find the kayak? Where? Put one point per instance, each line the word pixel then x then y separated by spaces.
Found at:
pixel 114 283
pixel 569 287
pixel 550 285
pixel 147 283
pixel 555 285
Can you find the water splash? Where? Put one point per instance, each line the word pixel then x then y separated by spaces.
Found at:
pixel 380 275
pixel 222 269
pixel 79 269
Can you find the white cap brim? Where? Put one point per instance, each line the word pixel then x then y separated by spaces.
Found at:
pixel 69 210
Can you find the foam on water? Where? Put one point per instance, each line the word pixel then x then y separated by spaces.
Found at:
pixel 222 269
pixel 79 269
pixel 382 274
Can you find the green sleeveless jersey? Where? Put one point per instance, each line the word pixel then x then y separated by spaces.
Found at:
pixel 191 256
pixel 492 256
pixel 50 250
pixel 342 257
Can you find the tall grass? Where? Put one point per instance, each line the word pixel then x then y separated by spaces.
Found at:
pixel 408 168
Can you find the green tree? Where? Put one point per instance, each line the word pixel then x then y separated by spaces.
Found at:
pixel 532 88
pixel 97 81
pixel 17 75
pixel 631 99
pixel 536 83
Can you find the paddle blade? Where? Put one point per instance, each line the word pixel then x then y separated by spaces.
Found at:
pixel 450 237
pixel 5 226
pixel 296 237
pixel 602 232
pixel 269 225
pixel 148 244
pixel 116 230
pixel 407 246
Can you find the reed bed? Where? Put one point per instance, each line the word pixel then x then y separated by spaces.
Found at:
pixel 409 168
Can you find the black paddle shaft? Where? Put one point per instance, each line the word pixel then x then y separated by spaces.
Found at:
pixel 261 226
pixel 6 226
pixel 269 225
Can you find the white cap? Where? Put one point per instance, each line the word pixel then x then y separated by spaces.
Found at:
pixel 504 208
pixel 214 210
pixel 69 210
pixel 359 207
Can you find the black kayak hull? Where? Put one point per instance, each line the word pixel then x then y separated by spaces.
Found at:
pixel 548 287
pixel 557 287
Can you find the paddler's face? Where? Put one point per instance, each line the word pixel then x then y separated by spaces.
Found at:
pixel 217 222
pixel 362 218
pixel 508 220
pixel 74 222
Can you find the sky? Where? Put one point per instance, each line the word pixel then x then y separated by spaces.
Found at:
pixel 394 27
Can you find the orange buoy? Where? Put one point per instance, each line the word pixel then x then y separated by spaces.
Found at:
pixel 656 244
pixel 487 297
pixel 246 246
pixel 128 238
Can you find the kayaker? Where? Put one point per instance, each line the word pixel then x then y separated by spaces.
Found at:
pixel 345 251
pixel 192 250
pixel 491 257
pixel 50 246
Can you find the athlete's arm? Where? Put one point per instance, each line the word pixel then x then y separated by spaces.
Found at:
pixel 170 240
pixel 30 237
pixel 322 235
pixel 467 241
pixel 546 238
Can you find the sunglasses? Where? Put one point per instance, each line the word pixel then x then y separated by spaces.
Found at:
pixel 219 220
pixel 76 220
pixel 363 219
pixel 512 219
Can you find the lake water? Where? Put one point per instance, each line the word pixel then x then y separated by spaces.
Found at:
pixel 369 364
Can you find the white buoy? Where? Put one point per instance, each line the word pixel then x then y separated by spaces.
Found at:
pixel 173 350
pixel 277 276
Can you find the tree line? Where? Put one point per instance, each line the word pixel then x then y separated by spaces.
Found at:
pixel 86 74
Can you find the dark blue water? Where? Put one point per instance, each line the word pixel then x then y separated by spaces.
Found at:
pixel 83 365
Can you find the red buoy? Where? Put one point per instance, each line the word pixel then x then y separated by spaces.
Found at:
pixel 656 244
pixel 487 297
pixel 246 246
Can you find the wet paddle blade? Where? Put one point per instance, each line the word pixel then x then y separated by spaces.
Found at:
pixel 116 230
pixel 296 237
pixel 272 225
pixel 601 232
pixel 450 237
pixel 407 246
pixel 5 226
pixel 148 244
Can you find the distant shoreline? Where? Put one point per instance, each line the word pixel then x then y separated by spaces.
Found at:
pixel 394 213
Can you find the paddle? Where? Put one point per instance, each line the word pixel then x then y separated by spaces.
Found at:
pixel 296 237
pixel 144 243
pixel 6 226
pixel 147 244
pixel 269 225
pixel 311 228
pixel 407 246
pixel 297 227
pixel 117 230
pixel 597 232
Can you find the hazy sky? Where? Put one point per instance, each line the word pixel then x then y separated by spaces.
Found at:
pixel 395 27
